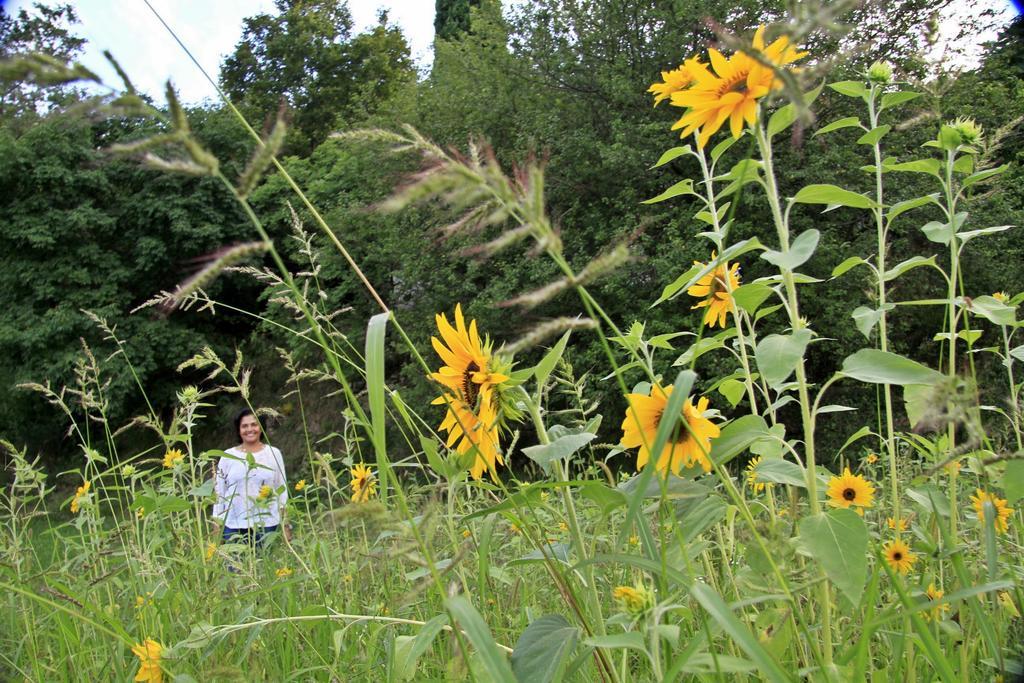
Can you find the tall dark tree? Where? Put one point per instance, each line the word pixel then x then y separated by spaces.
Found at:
pixel 43 29
pixel 452 18
pixel 306 57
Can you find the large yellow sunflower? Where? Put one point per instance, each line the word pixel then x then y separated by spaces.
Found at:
pixel 850 490
pixel 689 444
pixel 732 90
pixel 672 81
pixel 468 429
pixel 149 653
pixel 472 384
pixel 899 557
pixel 716 286
pixel 1002 511
pixel 467 368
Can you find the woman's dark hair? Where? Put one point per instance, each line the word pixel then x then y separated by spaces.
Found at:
pixel 238 420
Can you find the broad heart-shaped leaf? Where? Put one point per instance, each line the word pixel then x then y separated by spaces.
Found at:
pixel 751 295
pixel 832 195
pixel 799 251
pixel 939 232
pixel 559 449
pixel 779 471
pixel 882 367
pixel 778 355
pixel 993 310
pixel 874 135
pixel 680 188
pixel 1013 481
pixel 866 318
pixel 543 648
pixel 838 540
pixel 737 436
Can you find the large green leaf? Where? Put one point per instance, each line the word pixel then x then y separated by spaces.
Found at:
pixel 778 355
pixel 832 195
pixel 737 436
pixel 542 649
pixel 799 252
pixel 848 122
pixel 1013 481
pixel 559 449
pixel 882 367
pixel 779 471
pixel 838 540
pixel 671 154
pixel 479 635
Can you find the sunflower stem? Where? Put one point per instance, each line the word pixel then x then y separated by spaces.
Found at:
pixel 883 334
pixel 782 228
pixel 719 239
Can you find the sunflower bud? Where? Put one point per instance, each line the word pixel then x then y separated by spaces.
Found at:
pixel 970 132
pixel 880 73
pixel 633 600
pixel 189 395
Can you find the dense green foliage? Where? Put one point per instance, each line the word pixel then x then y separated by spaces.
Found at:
pixel 546 80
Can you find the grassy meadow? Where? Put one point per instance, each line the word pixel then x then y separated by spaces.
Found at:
pixel 489 536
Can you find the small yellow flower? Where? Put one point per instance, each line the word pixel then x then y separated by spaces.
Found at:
pixel 903 523
pixel 148 653
pixel 899 557
pixel 1006 602
pixel 347 578
pixel 466 533
pixel 300 484
pixel 850 490
pixel 283 572
pixel 634 540
pixel 265 492
pixel 82 492
pixel 514 528
pixel 1002 511
pixel 934 595
pixel 172 457
pixel 142 601
pixel 1001 297
pixel 211 550
pixel 563 527
pixel 871 459
pixel 364 484
pixel 634 600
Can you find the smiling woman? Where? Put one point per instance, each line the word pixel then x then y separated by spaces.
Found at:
pixel 251 486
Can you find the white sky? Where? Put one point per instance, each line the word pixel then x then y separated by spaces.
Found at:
pixel 212 28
